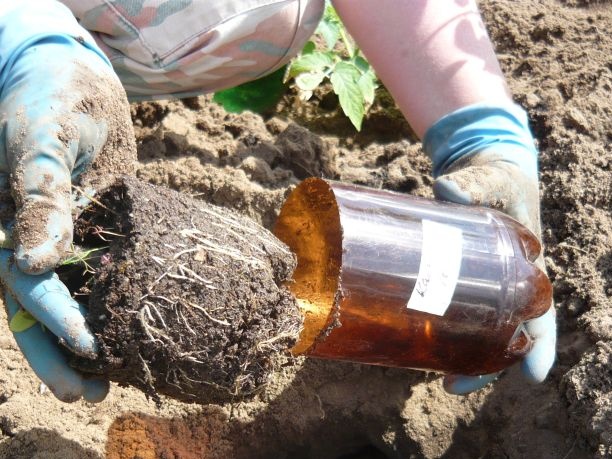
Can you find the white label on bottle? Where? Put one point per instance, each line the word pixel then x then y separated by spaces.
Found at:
pixel 441 256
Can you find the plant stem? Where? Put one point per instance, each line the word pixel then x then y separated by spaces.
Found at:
pixel 347 42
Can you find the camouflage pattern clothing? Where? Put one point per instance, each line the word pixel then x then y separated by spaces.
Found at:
pixel 180 48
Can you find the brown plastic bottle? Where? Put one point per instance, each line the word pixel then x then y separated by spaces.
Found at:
pixel 388 279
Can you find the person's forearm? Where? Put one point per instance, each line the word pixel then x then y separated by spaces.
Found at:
pixel 433 56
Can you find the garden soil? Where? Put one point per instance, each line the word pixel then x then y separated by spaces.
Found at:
pixel 190 300
pixel 557 56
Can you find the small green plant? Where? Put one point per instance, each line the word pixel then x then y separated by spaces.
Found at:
pixel 352 78
pixel 21 321
pixel 81 256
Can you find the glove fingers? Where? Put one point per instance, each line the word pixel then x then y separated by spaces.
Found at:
pixel 49 301
pixel 461 384
pixel 503 186
pixel 499 185
pixel 538 362
pixel 446 189
pixel 91 139
pixel 95 390
pixel 54 145
pixel 50 363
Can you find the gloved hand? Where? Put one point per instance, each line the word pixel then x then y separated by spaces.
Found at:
pixel 57 89
pixel 485 155
pixel 48 300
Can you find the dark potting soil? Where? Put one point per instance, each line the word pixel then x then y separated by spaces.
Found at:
pixel 189 301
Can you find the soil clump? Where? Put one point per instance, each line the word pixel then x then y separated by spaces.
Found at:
pixel 189 301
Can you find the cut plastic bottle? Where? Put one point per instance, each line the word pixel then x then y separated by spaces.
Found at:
pixel 388 279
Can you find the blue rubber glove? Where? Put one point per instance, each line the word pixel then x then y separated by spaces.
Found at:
pixel 54 82
pixel 485 155
pixel 48 300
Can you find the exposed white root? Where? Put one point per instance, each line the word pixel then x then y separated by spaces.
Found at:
pixel 190 358
pixel 159 260
pixel 184 269
pixel 268 343
pixel 156 281
pixel 90 196
pixel 159 316
pixel 232 223
pixel 238 236
pixel 205 312
pixel 180 315
pixel 183 252
pixel 208 244
pixel 229 221
pixel 145 326
pixel 149 380
pixel 163 298
pixel 149 329
pixel 179 277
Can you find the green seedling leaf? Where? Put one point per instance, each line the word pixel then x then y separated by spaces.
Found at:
pixel 316 61
pixel 309 81
pixel 330 14
pixel 81 257
pixel 309 47
pixel 352 77
pixel 344 81
pixel 330 26
pixel 330 33
pixel 21 321
pixel 257 96
pixel 367 85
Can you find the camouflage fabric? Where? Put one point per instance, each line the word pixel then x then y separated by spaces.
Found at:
pixel 179 48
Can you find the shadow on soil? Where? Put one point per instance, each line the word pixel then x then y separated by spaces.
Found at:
pixel 323 413
pixel 43 443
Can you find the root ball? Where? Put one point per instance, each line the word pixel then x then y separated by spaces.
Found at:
pixel 189 301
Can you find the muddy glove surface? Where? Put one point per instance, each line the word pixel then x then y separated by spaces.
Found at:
pixel 56 87
pixel 47 301
pixel 485 155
